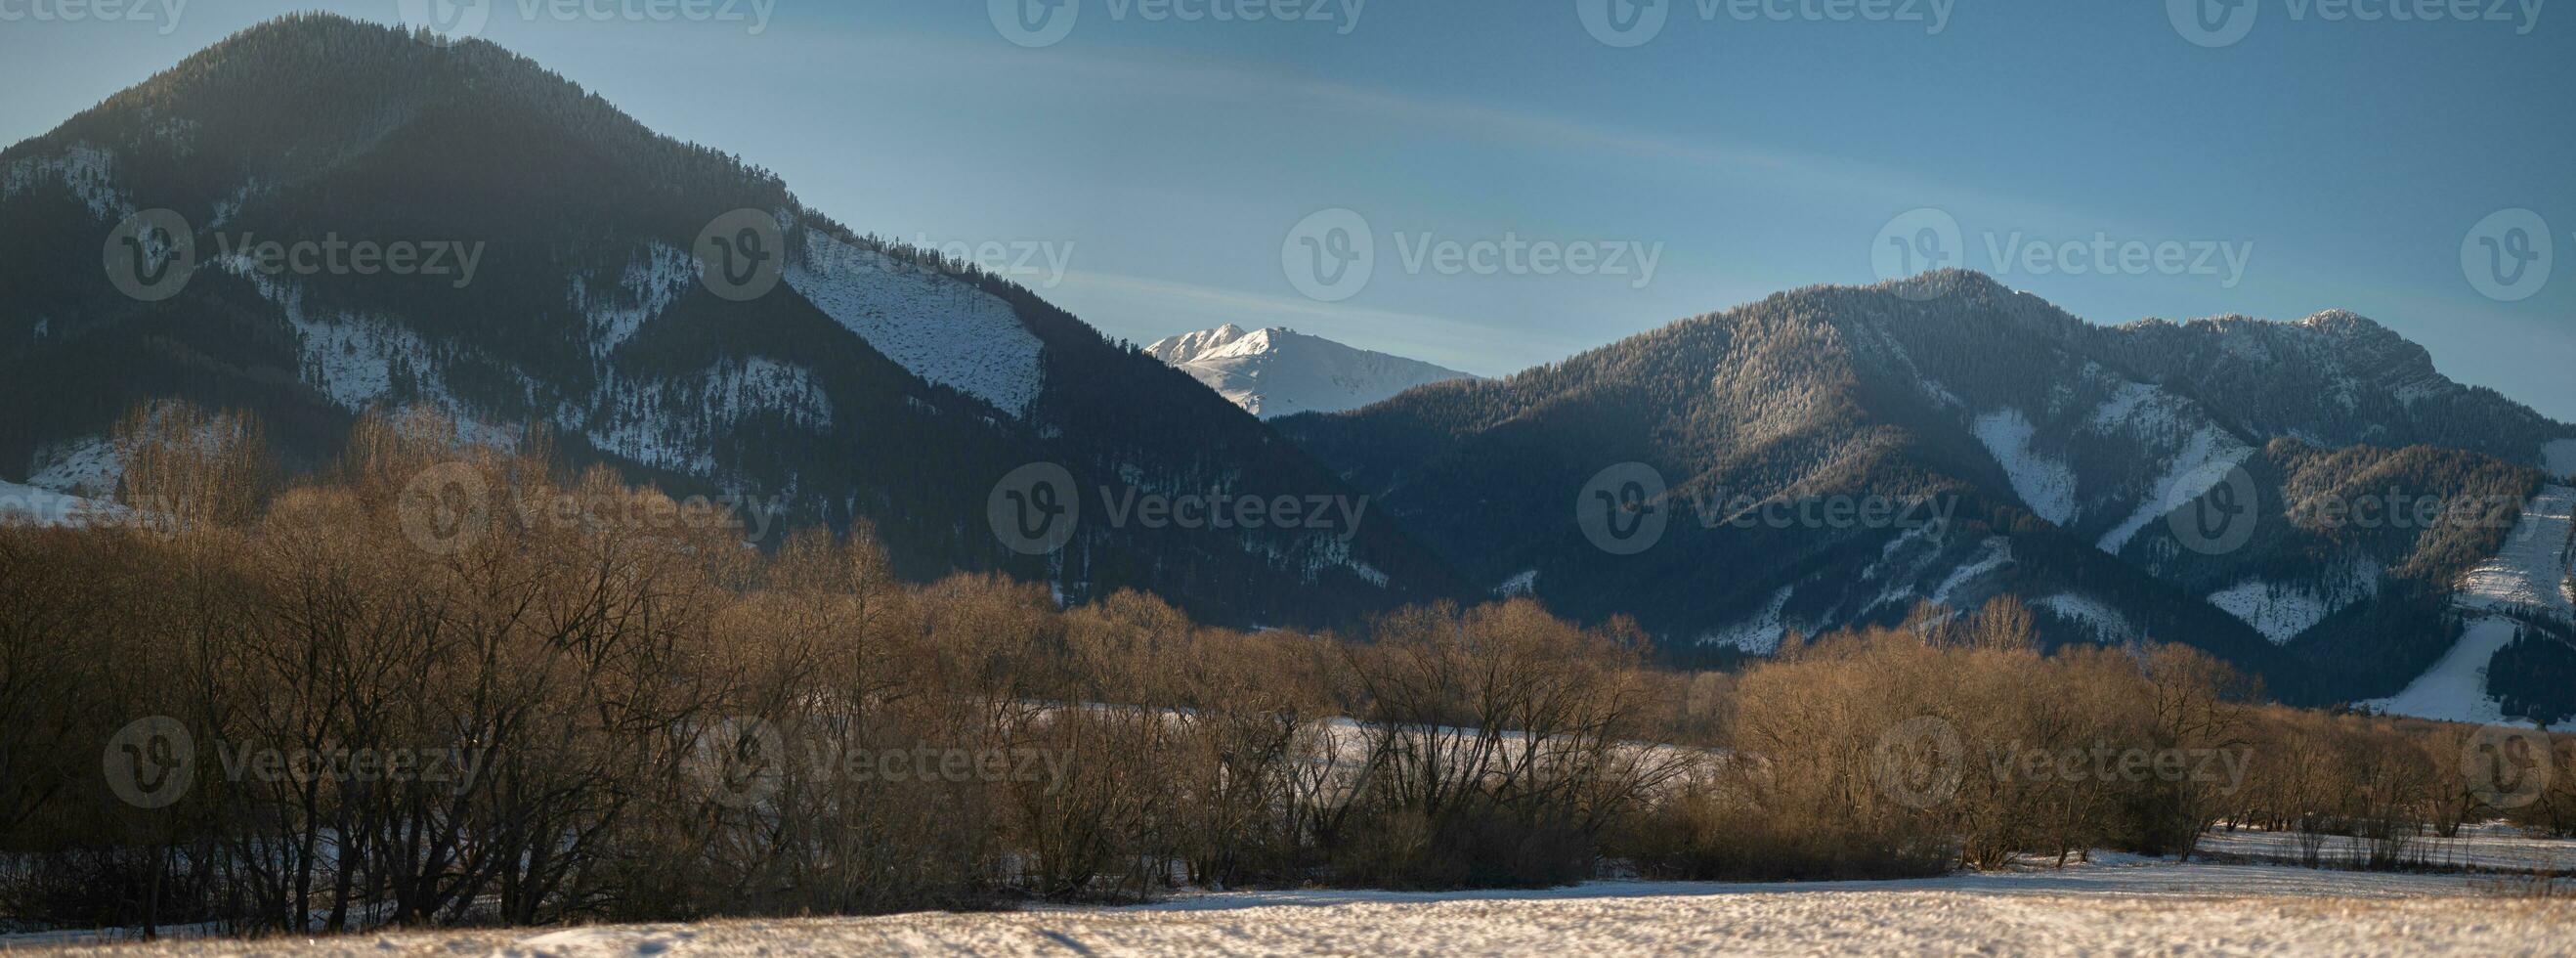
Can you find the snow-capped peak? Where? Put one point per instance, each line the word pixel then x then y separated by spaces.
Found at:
pixel 1280 372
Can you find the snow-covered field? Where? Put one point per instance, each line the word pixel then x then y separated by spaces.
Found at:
pixel 2120 906
pixel 2491 847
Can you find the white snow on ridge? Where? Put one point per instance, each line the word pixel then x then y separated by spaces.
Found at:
pixel 1526 583
pixel 941 328
pixel 2046 485
pixel 1281 372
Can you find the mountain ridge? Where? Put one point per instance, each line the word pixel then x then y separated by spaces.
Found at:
pixel 1277 371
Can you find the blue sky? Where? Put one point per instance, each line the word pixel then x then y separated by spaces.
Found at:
pixel 2345 162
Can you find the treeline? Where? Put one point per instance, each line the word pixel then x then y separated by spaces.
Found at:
pixel 443 684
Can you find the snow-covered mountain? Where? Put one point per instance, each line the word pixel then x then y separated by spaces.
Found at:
pixel 2063 449
pixel 866 382
pixel 1281 372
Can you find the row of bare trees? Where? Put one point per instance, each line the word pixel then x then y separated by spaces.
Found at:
pixel 445 684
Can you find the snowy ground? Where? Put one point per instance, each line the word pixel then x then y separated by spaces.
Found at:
pixel 2496 848
pixel 2120 906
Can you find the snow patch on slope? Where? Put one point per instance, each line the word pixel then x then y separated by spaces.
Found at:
pixel 2455 688
pixel 87 171
pixel 1761 634
pixel 2528 572
pixel 89 465
pixel 675 424
pixel 2155 419
pixel 943 329
pixel 649 285
pixel 2278 611
pixel 1998 554
pixel 2531 569
pixel 2046 485
pixel 2090 612
pixel 1525 583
